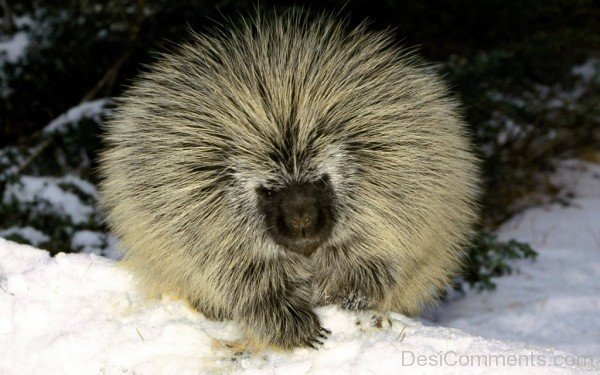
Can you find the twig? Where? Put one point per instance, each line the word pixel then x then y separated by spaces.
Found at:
pixel 109 77
pixel 107 80
pixel 9 23
pixel 139 334
pixel 41 147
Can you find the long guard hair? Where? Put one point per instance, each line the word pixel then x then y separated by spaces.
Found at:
pixel 290 102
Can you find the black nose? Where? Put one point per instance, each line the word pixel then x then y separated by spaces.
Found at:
pixel 299 207
pixel 300 222
pixel 299 217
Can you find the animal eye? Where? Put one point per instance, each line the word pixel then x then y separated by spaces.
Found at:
pixel 265 193
pixel 325 177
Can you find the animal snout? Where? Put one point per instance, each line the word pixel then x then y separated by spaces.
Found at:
pixel 299 216
pixel 300 208
pixel 300 221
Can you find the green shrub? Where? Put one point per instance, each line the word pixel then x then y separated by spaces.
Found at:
pixel 489 257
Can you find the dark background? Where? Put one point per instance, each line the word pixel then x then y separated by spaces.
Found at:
pixel 525 41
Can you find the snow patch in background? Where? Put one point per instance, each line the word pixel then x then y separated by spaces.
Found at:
pixel 29 233
pixel 98 243
pixel 86 110
pixel 14 47
pixel 48 190
pixel 588 70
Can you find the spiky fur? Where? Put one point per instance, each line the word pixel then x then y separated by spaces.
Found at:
pixel 280 100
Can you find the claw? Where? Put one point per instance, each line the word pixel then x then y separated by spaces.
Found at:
pixel 312 346
pixel 325 330
pixel 316 341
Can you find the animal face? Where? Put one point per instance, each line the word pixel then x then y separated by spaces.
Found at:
pixel 300 216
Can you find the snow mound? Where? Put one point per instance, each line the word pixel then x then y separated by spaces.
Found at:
pixel 80 314
pixel 556 299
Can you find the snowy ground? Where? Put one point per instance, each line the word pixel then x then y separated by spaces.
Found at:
pixel 556 300
pixel 80 314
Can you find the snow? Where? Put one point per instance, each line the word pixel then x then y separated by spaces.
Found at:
pixel 548 100
pixel 83 185
pixel 99 243
pixel 81 313
pixel 33 235
pixel 31 189
pixel 86 110
pixel 556 300
pixel 88 242
pixel 13 48
pixel 588 70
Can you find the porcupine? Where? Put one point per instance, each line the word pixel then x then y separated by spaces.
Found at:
pixel 287 163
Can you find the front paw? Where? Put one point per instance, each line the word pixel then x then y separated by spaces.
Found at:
pixel 289 328
pixel 300 328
